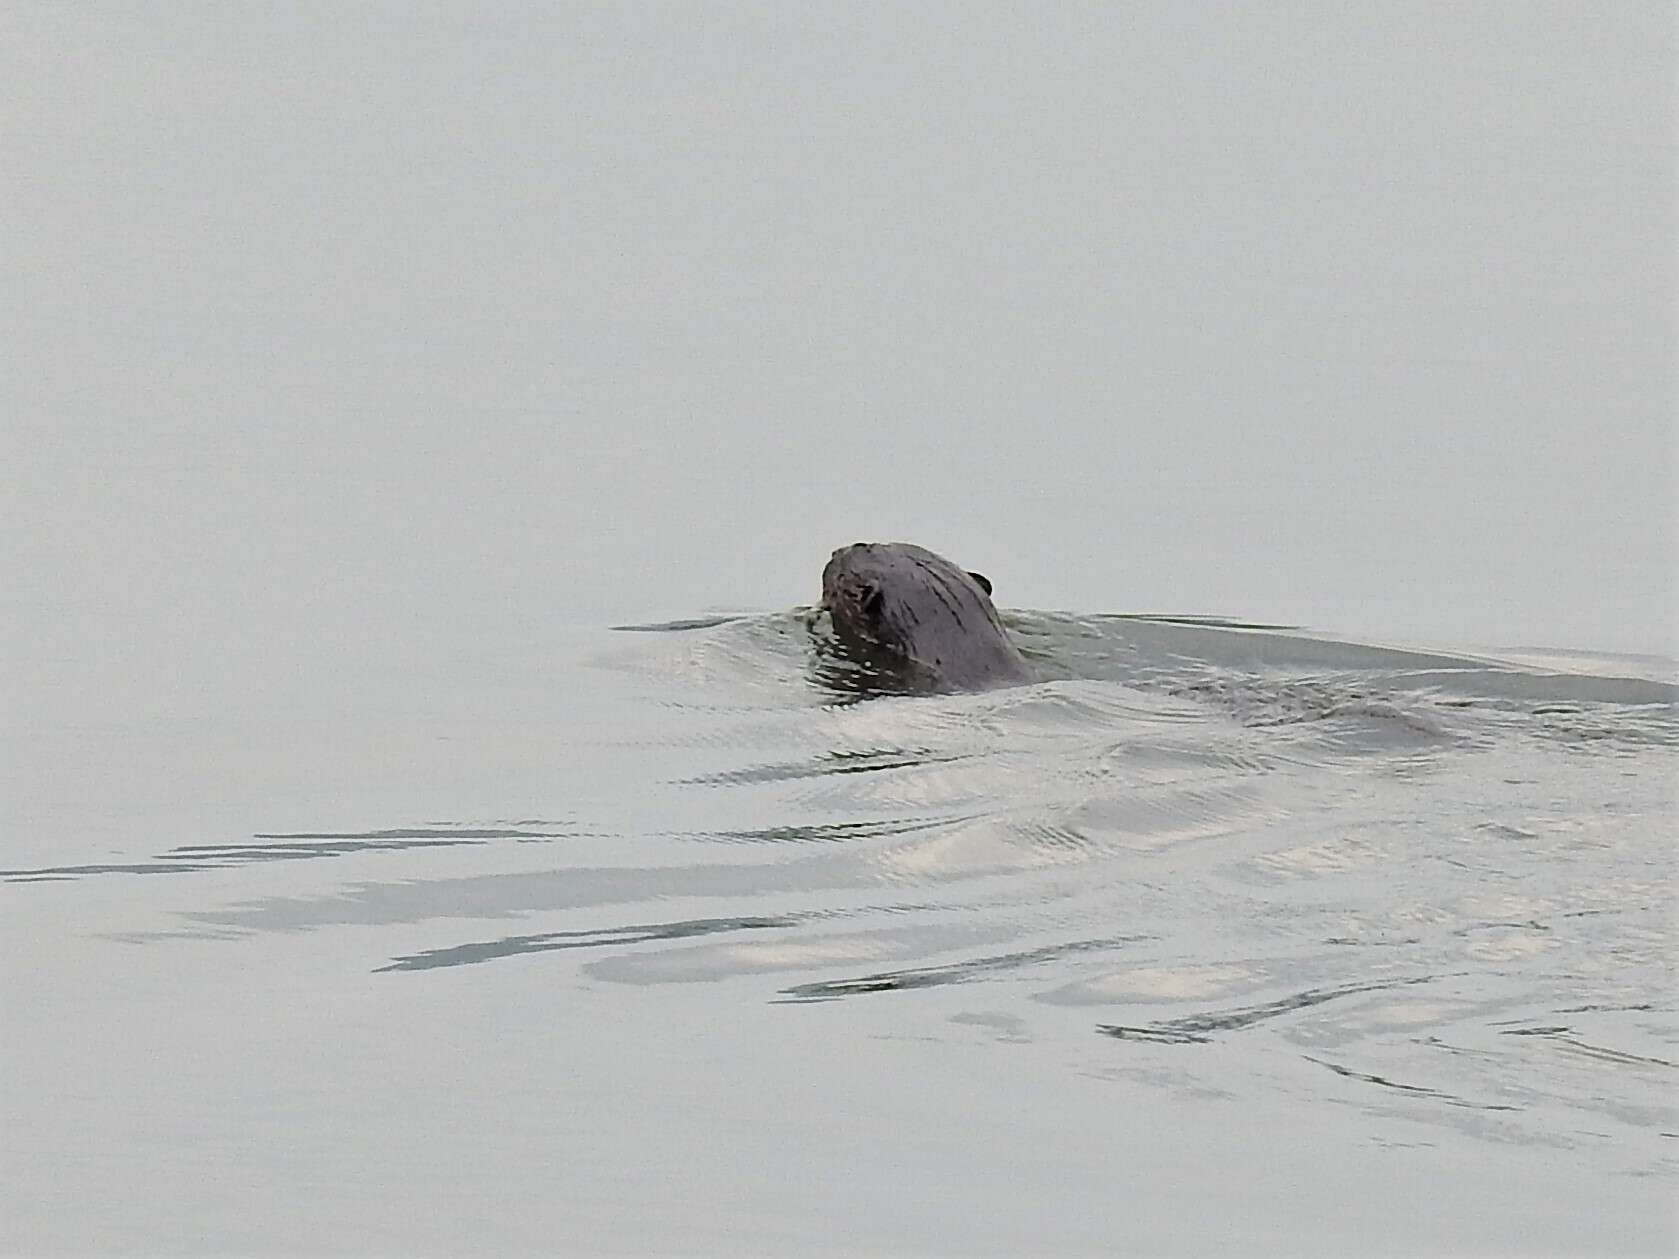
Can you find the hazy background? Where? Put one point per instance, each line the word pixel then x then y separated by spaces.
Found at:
pixel 347 333
pixel 359 362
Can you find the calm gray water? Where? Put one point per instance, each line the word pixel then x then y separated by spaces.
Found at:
pixel 363 892
pixel 600 941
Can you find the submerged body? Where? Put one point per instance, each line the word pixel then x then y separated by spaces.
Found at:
pixel 915 619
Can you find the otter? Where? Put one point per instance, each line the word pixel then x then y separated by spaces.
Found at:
pixel 916 620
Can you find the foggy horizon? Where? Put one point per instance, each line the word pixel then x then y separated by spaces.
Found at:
pixel 331 324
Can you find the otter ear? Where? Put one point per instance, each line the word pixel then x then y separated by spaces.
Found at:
pixel 873 598
pixel 982 581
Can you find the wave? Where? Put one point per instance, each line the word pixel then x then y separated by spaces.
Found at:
pixel 781 651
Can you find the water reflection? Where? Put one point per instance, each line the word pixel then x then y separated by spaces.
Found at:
pixel 1219 829
pixel 283 847
pixel 1416 1090
pixel 551 941
pixel 828 762
pixel 1197 1028
pixel 954 973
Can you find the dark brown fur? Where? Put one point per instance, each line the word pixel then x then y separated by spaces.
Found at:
pixel 901 610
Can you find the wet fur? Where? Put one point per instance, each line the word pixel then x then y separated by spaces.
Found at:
pixel 915 618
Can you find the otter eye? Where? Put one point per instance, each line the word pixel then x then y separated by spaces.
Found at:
pixel 982 581
pixel 873 599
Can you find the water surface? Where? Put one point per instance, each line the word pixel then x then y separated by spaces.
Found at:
pixel 1217 935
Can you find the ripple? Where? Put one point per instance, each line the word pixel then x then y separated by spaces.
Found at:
pixel 551 941
pixel 300 846
pixel 1198 1028
pixel 953 973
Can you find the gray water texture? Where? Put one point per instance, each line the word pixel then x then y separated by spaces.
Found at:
pixel 1215 935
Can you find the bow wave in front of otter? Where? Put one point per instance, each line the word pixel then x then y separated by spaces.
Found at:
pixel 914 621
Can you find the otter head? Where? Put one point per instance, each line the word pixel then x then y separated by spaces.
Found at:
pixel 902 608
